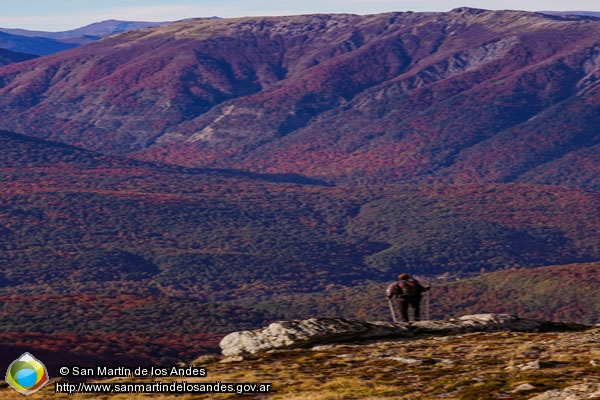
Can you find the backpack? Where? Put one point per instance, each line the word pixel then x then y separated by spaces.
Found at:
pixel 410 288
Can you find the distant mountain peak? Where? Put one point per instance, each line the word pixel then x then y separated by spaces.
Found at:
pixel 469 10
pixel 44 43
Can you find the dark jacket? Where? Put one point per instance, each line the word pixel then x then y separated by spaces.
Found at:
pixel 401 289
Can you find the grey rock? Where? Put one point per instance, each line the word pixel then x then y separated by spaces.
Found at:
pixel 293 334
pixel 535 365
pixel 530 366
pixel 232 359
pixel 318 331
pixel 407 360
pixel 576 392
pixel 525 387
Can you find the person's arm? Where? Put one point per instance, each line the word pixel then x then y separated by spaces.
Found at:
pixel 391 290
pixel 424 288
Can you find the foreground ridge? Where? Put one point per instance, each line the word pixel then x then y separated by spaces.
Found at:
pixel 314 331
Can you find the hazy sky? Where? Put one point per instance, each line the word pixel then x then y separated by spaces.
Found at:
pixel 57 15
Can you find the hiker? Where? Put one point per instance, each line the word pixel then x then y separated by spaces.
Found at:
pixel 406 292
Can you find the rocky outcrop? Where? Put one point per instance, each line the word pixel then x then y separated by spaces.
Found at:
pixel 304 333
pixel 576 392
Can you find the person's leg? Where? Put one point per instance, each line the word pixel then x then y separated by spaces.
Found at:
pixel 416 305
pixel 404 309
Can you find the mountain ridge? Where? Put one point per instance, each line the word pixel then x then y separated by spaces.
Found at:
pixel 44 43
pixel 32 45
pixel 343 98
pixel 9 57
pixel 96 29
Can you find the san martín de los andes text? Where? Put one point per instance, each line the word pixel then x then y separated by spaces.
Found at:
pixel 105 371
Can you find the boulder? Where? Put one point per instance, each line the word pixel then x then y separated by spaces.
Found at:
pixel 302 333
pixel 305 333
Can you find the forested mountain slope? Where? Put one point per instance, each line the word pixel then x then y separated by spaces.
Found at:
pixel 467 96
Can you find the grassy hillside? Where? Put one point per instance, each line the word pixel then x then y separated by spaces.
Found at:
pixel 508 365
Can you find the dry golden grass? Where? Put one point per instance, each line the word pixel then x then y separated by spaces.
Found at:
pixel 468 366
